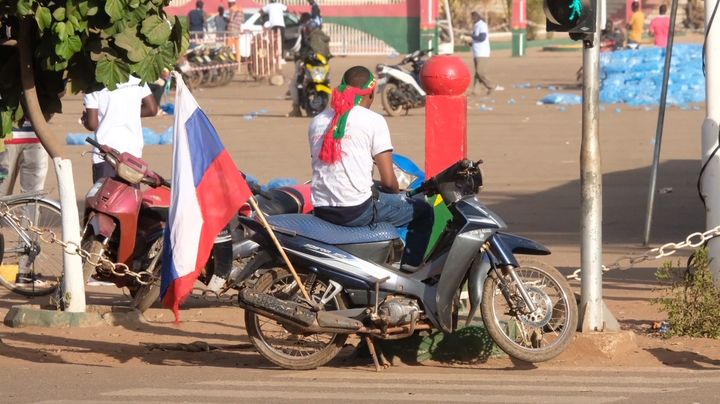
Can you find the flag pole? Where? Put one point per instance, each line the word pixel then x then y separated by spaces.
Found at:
pixel 267 226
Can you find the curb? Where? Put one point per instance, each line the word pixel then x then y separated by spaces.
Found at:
pixel 95 316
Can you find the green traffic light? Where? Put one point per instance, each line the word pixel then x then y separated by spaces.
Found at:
pixel 576 8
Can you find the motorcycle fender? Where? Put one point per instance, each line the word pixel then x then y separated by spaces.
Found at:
pixel 102 225
pixel 322 88
pixel 476 281
pixel 460 257
pixel 521 245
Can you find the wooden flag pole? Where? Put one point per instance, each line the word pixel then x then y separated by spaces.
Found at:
pixel 267 226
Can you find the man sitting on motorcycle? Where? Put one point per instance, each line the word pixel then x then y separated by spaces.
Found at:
pixel 345 140
pixel 314 40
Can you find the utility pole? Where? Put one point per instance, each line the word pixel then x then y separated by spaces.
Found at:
pixel 711 131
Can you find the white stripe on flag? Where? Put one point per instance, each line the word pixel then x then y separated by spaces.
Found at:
pixel 185 218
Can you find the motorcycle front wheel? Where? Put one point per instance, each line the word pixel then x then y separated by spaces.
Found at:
pixel 282 344
pixel 316 102
pixel 386 98
pixel 539 335
pixel 146 295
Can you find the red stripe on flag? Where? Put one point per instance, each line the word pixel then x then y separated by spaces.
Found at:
pixel 178 291
pixel 221 193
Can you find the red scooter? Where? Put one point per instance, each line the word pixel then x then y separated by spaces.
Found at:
pixel 124 224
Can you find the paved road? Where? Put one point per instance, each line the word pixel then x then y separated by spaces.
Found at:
pixel 155 384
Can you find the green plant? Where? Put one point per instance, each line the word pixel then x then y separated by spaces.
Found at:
pixel 94 43
pixel 691 298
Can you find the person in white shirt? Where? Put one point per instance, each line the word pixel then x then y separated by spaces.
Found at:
pixel 276 20
pixel 114 116
pixel 345 141
pixel 480 43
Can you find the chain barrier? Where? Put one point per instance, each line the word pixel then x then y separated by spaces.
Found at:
pixel 626 262
pixel 209 295
pixel 71 247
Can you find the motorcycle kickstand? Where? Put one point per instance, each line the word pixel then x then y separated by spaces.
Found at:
pixel 374 354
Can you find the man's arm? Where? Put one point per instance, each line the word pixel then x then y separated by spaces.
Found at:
pixel 388 180
pixel 90 119
pixel 478 35
pixel 148 107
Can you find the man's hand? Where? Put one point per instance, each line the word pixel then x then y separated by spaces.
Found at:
pixel 388 180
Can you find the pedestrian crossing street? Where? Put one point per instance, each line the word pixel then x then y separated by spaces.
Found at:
pixel 425 384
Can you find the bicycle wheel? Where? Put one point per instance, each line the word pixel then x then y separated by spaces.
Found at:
pixel 24 252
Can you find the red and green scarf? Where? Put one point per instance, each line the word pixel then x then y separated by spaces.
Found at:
pixel 344 98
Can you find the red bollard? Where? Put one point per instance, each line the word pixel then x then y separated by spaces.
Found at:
pixel 445 79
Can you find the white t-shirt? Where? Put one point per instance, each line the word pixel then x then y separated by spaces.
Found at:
pixel 481 49
pixel 275 14
pixel 119 116
pixel 348 182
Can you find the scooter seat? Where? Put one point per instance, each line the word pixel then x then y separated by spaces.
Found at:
pixel 315 228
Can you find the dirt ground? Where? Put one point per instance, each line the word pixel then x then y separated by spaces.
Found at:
pixel 531 155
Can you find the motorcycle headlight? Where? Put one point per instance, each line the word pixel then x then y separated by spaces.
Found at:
pixel 317 73
pixel 94 189
pixel 404 178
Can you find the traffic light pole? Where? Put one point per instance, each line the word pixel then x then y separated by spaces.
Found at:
pixel 594 314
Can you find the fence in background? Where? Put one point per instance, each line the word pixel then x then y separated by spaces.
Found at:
pixel 348 41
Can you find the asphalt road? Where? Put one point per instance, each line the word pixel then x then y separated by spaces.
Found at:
pixel 181 384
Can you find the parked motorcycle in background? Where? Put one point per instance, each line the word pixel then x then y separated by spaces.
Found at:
pixel 399 86
pixel 314 84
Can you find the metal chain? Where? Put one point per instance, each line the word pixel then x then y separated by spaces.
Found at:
pixel 626 262
pixel 71 247
pixel 212 296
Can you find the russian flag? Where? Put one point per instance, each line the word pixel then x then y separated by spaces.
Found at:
pixel 207 191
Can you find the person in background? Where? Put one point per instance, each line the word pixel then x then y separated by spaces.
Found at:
pixel 235 17
pixel 276 21
pixel 221 21
pixel 314 40
pixel 346 140
pixel 315 12
pixel 480 43
pixel 636 25
pixel 197 21
pixel 114 116
pixel 660 27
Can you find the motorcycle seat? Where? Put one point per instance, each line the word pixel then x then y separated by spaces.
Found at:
pixel 159 212
pixel 281 200
pixel 313 227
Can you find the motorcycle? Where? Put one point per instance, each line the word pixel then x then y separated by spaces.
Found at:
pixel 401 89
pixel 355 285
pixel 314 84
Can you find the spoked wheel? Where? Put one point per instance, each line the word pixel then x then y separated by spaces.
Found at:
pixel 530 336
pixel 39 263
pixel 284 345
pixel 389 103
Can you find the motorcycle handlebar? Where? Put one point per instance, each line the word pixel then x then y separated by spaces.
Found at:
pixel 93 142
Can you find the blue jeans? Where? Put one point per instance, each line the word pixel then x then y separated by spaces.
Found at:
pixel 399 210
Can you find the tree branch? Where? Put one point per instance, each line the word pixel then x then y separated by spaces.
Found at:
pixel 27 76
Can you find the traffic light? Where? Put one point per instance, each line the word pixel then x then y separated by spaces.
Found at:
pixel 574 16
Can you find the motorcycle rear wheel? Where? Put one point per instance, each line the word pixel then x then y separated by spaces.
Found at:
pixel 542 334
pixel 283 346
pixel 387 103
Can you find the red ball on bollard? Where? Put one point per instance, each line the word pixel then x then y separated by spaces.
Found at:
pixel 445 75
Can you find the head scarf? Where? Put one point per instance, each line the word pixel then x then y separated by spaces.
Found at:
pixel 344 98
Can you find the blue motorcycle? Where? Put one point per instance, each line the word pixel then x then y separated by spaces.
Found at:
pixel 356 287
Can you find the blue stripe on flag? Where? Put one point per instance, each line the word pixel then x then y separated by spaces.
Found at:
pixel 204 143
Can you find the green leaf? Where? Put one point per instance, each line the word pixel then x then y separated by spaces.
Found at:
pixel 112 72
pixel 61 31
pixel 128 40
pixel 149 68
pixel 134 3
pixel 59 14
pixel 6 119
pixel 115 9
pixel 43 18
pixel 67 48
pixel 25 7
pixel 83 8
pixel 156 30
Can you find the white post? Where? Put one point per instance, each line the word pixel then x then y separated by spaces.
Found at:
pixel 73 283
pixel 710 131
